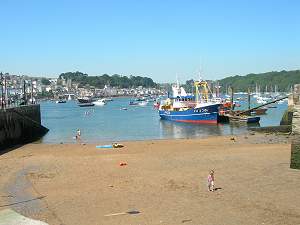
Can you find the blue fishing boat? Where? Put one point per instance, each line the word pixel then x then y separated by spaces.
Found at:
pixel 198 108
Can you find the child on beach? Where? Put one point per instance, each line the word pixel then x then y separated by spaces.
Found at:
pixel 210 181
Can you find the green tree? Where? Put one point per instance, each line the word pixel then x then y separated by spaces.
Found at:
pixel 45 81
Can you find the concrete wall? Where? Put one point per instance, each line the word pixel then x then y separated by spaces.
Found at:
pixel 20 125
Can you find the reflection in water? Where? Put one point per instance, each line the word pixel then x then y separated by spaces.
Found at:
pixel 236 128
pixel 173 129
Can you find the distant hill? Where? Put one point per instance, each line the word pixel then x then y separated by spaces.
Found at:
pixel 283 80
pixel 115 80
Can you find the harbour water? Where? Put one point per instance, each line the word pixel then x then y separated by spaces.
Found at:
pixel 110 123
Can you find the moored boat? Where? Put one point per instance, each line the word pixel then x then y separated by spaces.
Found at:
pixel 133 103
pixel 84 100
pixel 86 104
pixel 60 101
pixel 107 99
pixel 244 119
pixel 259 111
pixel 99 102
pixel 156 105
pixel 143 103
pixel 198 108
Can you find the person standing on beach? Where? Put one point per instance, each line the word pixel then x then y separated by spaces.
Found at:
pixel 210 181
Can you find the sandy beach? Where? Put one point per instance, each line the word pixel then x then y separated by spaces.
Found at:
pixel 164 182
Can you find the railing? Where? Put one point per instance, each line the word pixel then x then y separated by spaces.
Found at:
pixel 268 103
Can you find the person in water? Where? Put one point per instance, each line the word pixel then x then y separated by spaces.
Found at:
pixel 210 181
pixel 78 134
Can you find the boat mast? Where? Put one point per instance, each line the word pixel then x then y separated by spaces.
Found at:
pixel 226 91
pixel 218 90
pixel 196 91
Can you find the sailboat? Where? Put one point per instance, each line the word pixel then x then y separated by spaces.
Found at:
pixel 257 93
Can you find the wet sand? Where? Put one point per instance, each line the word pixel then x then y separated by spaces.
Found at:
pixel 164 182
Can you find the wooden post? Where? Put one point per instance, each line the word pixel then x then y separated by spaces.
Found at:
pixel 249 103
pixel 31 92
pixel 24 93
pixel 5 92
pixel 1 82
pixel 232 107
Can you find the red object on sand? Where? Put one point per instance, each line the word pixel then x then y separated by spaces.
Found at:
pixel 123 163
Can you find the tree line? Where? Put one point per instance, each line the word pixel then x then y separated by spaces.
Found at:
pixel 115 80
pixel 283 80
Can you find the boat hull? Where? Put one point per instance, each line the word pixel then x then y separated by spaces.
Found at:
pixel 205 115
pixel 86 104
pixel 61 101
pixel 99 103
pixel 261 111
pixel 246 119
pixel 253 119
pixel 84 100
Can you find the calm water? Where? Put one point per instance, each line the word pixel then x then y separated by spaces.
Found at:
pixel 110 123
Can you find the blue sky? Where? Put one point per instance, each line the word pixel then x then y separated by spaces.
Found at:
pixel 156 38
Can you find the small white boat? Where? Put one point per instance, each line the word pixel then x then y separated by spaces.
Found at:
pixel 143 103
pixel 60 101
pixel 260 101
pixel 107 99
pixel 99 102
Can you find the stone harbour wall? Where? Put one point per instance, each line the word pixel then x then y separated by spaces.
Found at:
pixel 20 125
pixel 295 146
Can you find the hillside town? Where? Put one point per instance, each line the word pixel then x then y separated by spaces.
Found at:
pixel 14 86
